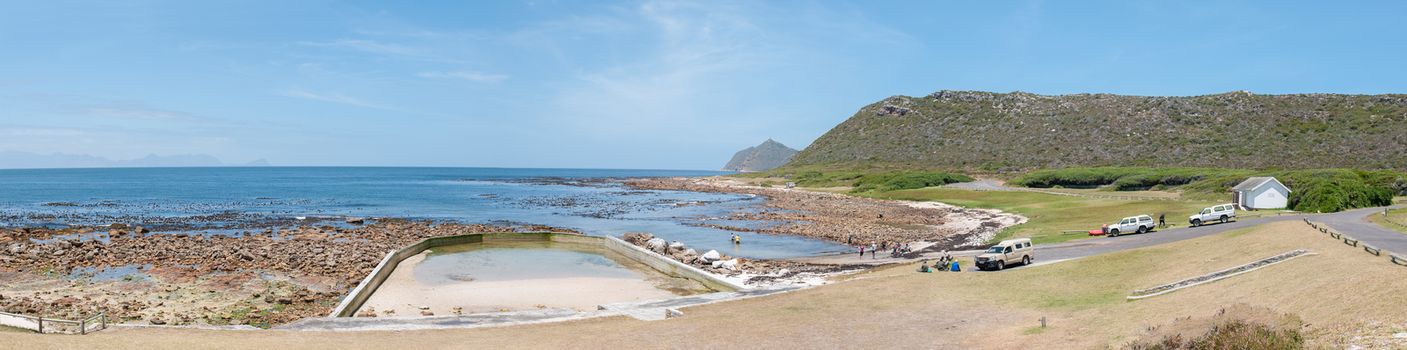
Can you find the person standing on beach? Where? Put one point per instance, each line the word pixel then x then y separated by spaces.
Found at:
pixel 873 249
pixel 862 250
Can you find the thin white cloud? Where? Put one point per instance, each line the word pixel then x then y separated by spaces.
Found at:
pixel 334 98
pixel 368 46
pixel 140 112
pixel 465 75
pixel 412 50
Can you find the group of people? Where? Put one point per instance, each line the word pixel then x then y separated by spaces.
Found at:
pixel 895 249
pixel 945 263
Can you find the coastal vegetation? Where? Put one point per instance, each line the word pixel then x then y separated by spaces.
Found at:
pixel 1318 190
pixel 867 181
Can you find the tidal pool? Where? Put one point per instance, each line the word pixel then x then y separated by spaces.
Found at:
pixel 515 276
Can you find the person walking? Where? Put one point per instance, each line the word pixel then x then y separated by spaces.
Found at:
pixel 1162 223
pixel 873 251
pixel 862 250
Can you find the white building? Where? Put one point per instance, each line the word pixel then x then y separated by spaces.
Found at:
pixel 1261 193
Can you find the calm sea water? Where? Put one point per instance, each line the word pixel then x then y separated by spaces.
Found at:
pixel 225 197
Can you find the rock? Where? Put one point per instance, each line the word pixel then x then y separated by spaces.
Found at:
pixel 356 221
pixel 426 313
pixel 285 300
pixel 637 238
pixel 731 265
pixel 118 226
pixel 157 321
pixel 674 246
pixel 710 256
pixel 655 244
pixel 691 252
pixel 672 313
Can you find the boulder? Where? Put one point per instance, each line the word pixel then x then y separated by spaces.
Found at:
pixel 655 244
pixel 356 221
pixel 731 265
pixel 676 246
pixel 710 256
pixel 637 238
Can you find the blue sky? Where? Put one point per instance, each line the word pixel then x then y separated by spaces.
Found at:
pixel 635 84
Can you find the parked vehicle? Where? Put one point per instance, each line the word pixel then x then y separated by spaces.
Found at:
pixel 1011 251
pixel 1137 224
pixel 1222 213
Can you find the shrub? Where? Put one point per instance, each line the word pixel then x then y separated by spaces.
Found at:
pixel 1234 334
pixel 1321 190
pixel 906 180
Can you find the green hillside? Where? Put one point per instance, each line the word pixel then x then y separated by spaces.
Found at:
pixel 985 131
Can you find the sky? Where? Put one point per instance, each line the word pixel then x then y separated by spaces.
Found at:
pixel 630 84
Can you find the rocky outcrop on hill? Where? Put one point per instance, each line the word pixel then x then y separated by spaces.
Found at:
pixel 1018 131
pixel 766 156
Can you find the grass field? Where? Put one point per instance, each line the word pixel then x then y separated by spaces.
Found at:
pixel 1088 294
pixel 1396 220
pixel 1053 218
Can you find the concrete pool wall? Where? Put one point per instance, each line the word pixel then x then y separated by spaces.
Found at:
pixel 359 295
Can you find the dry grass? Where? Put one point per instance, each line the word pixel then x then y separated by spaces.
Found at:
pixel 1396 220
pixel 1337 289
pixel 1339 286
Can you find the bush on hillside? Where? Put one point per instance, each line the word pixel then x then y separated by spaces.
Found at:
pixel 1322 190
pixel 906 181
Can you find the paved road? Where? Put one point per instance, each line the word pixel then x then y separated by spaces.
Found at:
pixel 1352 223
pixel 1096 246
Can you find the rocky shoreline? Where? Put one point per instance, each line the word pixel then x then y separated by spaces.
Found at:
pixel 847 219
pixel 263 278
pixel 749 272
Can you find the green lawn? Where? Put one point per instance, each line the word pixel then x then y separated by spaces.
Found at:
pixel 1050 216
pixel 1396 219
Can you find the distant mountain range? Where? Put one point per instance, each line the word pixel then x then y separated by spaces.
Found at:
pixel 1020 131
pixel 770 154
pixel 26 160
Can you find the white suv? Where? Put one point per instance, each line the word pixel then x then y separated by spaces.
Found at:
pixel 1139 224
pixel 1222 213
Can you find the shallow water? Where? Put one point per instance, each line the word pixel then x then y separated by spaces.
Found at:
pixel 114 273
pixel 517 261
pixel 508 276
pixel 228 200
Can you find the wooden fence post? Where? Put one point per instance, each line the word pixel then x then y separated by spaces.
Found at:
pixel 83 327
pixel 41 324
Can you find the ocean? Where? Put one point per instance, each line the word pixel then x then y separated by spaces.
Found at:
pixel 225 200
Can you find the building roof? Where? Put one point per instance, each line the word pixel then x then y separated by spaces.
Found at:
pixel 1255 182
